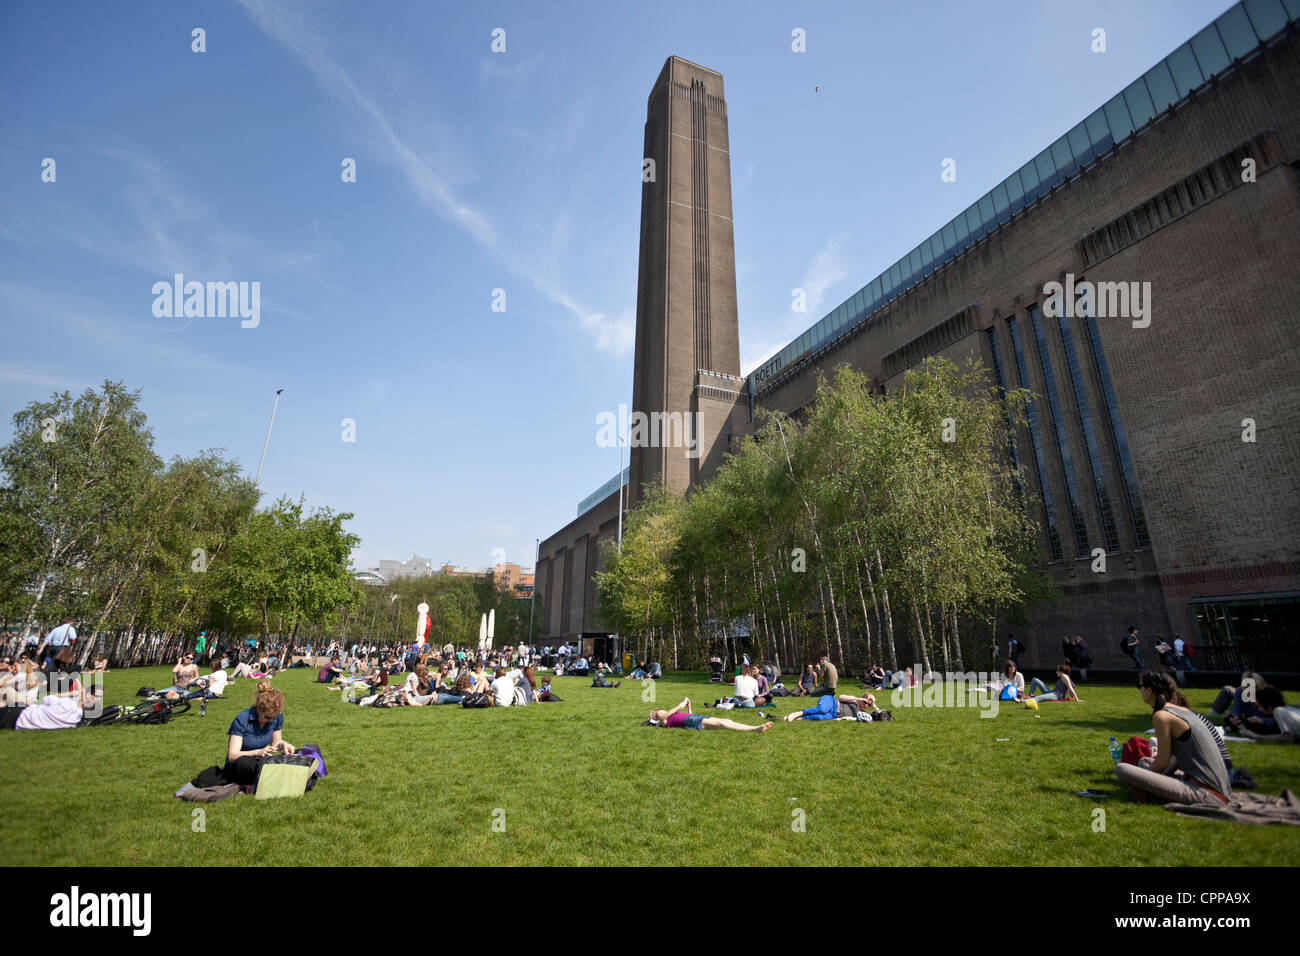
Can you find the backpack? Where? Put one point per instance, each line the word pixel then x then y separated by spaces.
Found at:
pixel 1008 692
pixel 1135 748
pixel 144 692
pixel 475 701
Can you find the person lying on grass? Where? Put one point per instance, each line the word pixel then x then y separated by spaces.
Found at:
pixel 418 689
pixel 61 710
pixel 1191 762
pixel 1285 721
pixel 681 716
pixel 828 708
pixel 1064 689
pixel 255 733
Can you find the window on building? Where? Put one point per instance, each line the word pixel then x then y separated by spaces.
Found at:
pixel 1089 436
pixel 1117 435
pixel 1035 439
pixel 1058 429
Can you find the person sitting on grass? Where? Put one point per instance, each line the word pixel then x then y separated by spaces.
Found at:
pixel 1242 703
pixel 598 679
pixel 101 664
pixel 328 674
pixel 1189 765
pixel 212 686
pixel 807 681
pixel 746 689
pixel 525 686
pixel 681 716
pixel 545 694
pixel 1064 689
pixel 1011 677
pixel 875 676
pixel 829 677
pixel 829 708
pixel 1277 723
pixel 503 688
pixel 764 698
pixel 255 733
pixel 641 671
pixel 184 673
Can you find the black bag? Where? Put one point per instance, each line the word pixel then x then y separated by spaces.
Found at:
pixel 159 712
pixel 108 716
pixel 476 701
pixel 882 715
pixel 144 692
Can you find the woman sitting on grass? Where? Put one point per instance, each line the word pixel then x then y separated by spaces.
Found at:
pixel 1064 689
pixel 256 733
pixel 681 716
pixel 828 708
pixel 807 681
pixel 1189 766
pixel 1011 677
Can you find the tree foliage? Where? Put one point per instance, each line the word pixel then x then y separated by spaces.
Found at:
pixel 890 528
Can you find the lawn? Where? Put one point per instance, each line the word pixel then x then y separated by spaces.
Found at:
pixel 581 782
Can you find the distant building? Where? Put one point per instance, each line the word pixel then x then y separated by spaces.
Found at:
pixel 508 576
pixel 370 577
pixel 414 567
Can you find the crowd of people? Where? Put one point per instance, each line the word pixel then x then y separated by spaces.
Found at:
pixel 1187 763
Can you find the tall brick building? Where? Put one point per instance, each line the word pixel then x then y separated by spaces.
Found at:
pixel 1171 447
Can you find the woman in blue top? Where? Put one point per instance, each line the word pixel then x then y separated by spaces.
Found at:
pixel 255 733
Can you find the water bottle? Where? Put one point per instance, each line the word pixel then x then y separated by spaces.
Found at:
pixel 1115 751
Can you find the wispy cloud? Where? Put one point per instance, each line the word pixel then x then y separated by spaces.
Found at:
pixel 498 64
pixel 428 182
pixel 21 376
pixel 828 267
pixel 116 336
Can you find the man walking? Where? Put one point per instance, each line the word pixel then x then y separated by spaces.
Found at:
pixel 60 641
pixel 1128 645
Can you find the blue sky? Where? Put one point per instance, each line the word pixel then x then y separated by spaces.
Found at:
pixel 475 429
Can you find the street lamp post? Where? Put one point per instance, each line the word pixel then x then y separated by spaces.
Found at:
pixel 537 554
pixel 258 481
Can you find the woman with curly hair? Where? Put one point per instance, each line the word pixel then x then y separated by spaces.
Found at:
pixel 256 733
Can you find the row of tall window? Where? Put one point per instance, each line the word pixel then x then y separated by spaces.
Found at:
pixel 1045 416
pixel 1238 30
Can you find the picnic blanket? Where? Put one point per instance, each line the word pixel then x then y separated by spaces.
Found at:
pixel 1260 809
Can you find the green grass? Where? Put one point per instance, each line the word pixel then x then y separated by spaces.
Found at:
pixel 581 782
